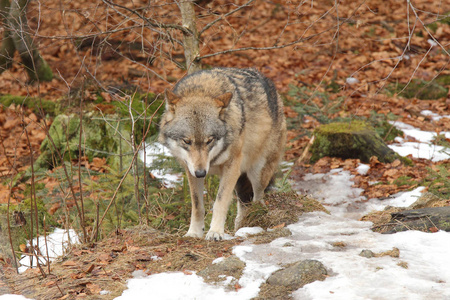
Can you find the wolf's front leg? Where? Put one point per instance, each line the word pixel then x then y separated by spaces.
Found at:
pixel 196 186
pixel 224 196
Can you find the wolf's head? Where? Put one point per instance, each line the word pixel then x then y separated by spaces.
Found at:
pixel 195 131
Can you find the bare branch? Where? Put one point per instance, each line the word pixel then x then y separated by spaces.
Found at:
pixel 148 22
pixel 224 16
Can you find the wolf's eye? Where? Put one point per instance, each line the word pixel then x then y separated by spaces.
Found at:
pixel 210 140
pixel 187 141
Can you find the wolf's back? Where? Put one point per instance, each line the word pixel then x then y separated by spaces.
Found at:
pixel 251 90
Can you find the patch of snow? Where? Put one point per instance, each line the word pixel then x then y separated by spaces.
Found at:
pixel 12 297
pixel 363 169
pixel 351 80
pixel 354 277
pixel 432 115
pixel 432 42
pixel 334 190
pixel 153 152
pixel 404 199
pixel 218 260
pixel 421 136
pixel 245 231
pixel 174 285
pixel 421 150
pixel 424 148
pixel 139 274
pixel 57 243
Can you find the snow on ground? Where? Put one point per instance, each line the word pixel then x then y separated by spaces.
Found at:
pixel 423 148
pixel 433 116
pixel 152 153
pixel 57 243
pixel 12 297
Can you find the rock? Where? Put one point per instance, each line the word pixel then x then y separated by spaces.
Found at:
pixel 367 253
pixel 99 139
pixel 350 140
pixel 395 252
pixel 426 200
pixel 268 236
pixel 230 266
pixel 298 274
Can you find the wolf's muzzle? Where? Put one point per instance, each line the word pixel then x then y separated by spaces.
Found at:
pixel 200 173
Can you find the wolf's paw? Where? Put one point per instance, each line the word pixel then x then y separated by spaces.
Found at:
pixel 194 234
pixel 214 236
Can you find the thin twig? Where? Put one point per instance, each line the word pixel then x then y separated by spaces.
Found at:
pixel 207 26
pixel 184 30
pixel 33 203
pixel 79 158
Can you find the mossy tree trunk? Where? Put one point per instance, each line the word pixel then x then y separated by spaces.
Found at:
pixel 16 37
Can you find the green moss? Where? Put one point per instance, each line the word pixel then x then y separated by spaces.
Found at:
pixel 433 26
pixel 45 72
pixel 443 79
pixel 347 127
pixel 36 104
pixel 445 19
pixel 99 139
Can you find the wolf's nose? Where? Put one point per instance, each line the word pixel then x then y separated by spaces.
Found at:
pixel 200 173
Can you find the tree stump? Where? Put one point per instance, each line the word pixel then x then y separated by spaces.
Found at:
pixel 353 139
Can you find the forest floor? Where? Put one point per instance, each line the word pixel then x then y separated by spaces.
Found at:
pixel 356 69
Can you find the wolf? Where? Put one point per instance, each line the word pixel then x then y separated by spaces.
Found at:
pixel 229 122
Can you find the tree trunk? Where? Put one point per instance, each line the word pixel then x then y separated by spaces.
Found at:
pixel 190 40
pixel 7 47
pixel 16 36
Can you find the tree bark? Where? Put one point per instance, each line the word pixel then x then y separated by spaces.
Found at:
pixel 7 47
pixel 190 40
pixel 16 37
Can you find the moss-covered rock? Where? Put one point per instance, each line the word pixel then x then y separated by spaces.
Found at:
pixel 99 138
pixel 350 140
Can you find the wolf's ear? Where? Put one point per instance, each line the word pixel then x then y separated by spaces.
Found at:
pixel 223 100
pixel 171 98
